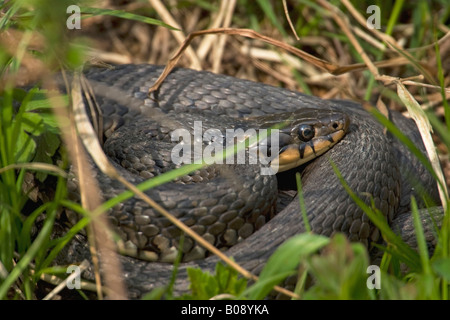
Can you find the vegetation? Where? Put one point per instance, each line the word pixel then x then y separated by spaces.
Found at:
pixel 413 44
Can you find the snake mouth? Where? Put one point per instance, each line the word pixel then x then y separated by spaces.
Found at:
pixel 296 154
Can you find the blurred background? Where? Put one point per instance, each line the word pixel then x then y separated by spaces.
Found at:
pixel 410 41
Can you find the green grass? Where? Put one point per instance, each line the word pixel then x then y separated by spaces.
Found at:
pixel 29 134
pixel 21 141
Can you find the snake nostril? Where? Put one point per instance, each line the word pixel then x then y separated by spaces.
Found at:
pixel 335 125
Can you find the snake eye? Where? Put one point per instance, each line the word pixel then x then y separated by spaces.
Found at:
pixel 305 132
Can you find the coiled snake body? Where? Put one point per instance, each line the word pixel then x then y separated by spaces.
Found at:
pixel 370 161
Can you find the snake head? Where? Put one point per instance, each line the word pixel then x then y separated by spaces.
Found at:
pixel 309 133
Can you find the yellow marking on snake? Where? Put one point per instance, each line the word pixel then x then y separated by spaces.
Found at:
pixel 296 155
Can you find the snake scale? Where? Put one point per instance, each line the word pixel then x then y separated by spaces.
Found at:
pixel 371 161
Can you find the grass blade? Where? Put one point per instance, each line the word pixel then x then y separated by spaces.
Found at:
pixel 284 262
pixel 421 243
pixel 399 248
pixel 125 15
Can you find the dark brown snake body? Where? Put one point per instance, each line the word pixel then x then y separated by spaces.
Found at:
pixel 372 163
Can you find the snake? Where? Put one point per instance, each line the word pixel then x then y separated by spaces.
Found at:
pixel 235 207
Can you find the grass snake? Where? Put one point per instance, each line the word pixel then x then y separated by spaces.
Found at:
pixel 138 128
